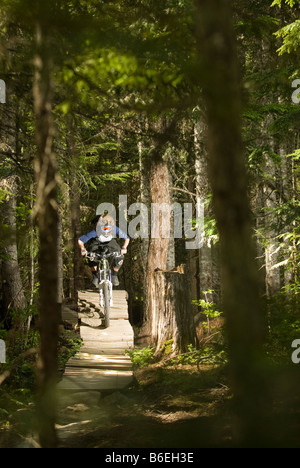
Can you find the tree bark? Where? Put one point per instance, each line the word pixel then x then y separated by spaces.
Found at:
pixel 175 323
pixel 76 278
pixel 273 283
pixel 158 248
pixel 13 292
pixel 46 210
pixel 202 190
pixel 144 198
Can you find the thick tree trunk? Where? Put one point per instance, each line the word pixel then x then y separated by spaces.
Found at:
pixel 220 82
pixel 175 323
pixel 156 166
pixel 158 247
pixel 46 210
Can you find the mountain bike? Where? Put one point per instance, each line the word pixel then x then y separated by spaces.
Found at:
pixel 105 284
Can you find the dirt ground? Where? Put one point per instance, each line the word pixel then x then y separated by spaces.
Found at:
pixel 166 407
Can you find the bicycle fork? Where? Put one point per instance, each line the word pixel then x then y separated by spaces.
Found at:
pixel 101 283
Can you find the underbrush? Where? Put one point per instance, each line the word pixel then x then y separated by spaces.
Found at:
pixel 209 355
pixel 18 374
pixel 283 323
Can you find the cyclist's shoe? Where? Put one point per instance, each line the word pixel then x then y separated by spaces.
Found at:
pixel 95 282
pixel 115 280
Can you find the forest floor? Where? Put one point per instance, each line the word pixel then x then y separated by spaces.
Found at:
pixel 165 407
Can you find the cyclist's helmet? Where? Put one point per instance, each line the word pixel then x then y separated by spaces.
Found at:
pixel 106 230
pixel 105 226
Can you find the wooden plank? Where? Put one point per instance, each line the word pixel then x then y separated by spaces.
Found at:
pixel 119 310
pixel 98 347
pixel 91 322
pixel 69 315
pixel 101 363
pixel 104 350
pixel 107 334
pixel 79 379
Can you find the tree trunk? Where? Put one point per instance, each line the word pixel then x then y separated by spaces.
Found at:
pixel 13 293
pixel 158 247
pixel 220 82
pixel 46 210
pixel 60 275
pixel 78 279
pixel 160 198
pixel 273 284
pixel 205 277
pixel 144 198
pixel 171 258
pixel 175 323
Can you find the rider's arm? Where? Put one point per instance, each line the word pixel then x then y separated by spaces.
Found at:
pixel 123 236
pixel 82 247
pixel 126 242
pixel 84 239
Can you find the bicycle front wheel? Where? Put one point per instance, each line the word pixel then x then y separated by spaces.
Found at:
pixel 106 294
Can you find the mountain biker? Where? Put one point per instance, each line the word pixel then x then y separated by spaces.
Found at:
pixel 104 236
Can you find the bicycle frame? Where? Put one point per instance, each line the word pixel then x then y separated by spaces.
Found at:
pixel 105 277
pixel 105 283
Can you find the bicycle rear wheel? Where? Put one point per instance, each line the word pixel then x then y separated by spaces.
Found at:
pixel 106 294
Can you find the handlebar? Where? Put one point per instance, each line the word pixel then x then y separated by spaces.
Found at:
pixel 94 256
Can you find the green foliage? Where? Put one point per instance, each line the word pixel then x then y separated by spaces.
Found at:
pixel 283 321
pixel 13 401
pixel 21 353
pixel 3 194
pixel 140 357
pixel 167 347
pixel 211 234
pixel 290 32
pixel 290 3
pixel 24 210
pixel 290 38
pixel 69 344
pixel 210 231
pixel 208 308
pixel 213 355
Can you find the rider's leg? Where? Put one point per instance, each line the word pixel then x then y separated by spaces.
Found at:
pixel 94 270
pixel 93 265
pixel 117 265
pixel 113 246
pixel 95 278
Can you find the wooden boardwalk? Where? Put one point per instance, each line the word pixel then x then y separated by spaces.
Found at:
pixel 101 363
